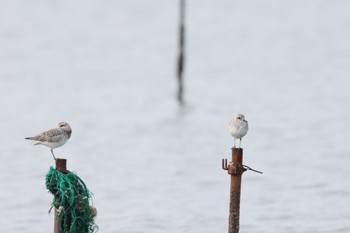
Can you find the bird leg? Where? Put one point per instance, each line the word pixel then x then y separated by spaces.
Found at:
pixel 53 154
pixel 240 140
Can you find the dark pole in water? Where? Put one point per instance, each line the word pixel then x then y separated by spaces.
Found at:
pixel 61 165
pixel 235 169
pixel 181 56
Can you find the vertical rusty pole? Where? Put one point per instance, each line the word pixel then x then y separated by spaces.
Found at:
pixel 61 165
pixel 235 169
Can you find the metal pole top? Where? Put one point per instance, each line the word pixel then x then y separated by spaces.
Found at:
pixel 61 165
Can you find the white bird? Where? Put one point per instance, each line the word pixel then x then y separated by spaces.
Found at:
pixel 238 128
pixel 53 138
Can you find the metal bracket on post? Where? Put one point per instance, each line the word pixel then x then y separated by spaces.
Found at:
pixel 234 170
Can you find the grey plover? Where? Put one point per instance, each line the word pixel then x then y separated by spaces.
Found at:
pixel 53 138
pixel 238 128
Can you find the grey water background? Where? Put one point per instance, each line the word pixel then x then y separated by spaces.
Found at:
pixel 108 68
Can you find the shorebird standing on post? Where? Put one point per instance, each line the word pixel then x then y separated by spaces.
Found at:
pixel 238 128
pixel 53 138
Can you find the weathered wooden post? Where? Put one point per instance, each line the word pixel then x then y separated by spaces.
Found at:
pixel 61 165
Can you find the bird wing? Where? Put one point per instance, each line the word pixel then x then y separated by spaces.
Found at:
pixel 47 136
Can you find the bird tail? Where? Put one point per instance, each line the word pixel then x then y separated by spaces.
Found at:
pixel 33 142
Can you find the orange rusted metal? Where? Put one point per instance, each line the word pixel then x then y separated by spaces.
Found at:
pixel 61 165
pixel 235 169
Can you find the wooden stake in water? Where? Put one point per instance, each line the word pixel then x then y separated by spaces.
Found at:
pixel 181 56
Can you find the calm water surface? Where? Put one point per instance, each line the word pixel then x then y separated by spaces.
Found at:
pixel 107 68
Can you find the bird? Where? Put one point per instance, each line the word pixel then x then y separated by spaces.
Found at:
pixel 53 138
pixel 238 128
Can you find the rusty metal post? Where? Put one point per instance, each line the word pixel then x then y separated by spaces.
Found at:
pixel 61 165
pixel 235 169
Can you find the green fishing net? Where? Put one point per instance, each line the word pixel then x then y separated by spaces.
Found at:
pixel 71 199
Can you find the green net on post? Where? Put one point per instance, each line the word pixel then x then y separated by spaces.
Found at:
pixel 71 198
